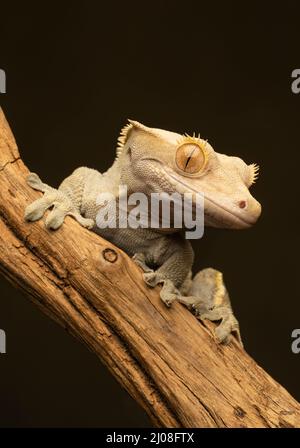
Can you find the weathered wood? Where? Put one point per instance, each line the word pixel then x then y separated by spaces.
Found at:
pixel 165 358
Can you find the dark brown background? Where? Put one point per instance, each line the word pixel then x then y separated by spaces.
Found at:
pixel 74 74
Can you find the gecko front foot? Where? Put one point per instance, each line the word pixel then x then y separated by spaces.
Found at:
pixel 140 260
pixel 57 200
pixel 168 292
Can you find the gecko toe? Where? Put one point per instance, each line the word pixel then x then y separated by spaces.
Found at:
pixel 33 212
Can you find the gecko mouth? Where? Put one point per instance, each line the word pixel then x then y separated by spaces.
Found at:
pixel 212 209
pixel 229 219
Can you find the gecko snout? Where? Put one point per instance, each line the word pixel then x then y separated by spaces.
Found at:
pixel 250 210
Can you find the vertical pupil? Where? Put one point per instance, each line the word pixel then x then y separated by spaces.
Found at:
pixel 189 157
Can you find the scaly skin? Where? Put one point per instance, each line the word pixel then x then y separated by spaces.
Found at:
pixel 153 161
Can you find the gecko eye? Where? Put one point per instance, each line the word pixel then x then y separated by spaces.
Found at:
pixel 190 158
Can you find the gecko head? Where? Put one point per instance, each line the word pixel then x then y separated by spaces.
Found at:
pixel 154 161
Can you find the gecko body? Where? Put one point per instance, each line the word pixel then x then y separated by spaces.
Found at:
pixel 148 161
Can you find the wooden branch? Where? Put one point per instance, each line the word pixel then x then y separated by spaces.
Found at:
pixel 165 359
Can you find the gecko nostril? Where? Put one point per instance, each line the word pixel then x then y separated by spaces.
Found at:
pixel 242 204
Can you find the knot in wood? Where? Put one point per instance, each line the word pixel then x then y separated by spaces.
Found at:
pixel 110 255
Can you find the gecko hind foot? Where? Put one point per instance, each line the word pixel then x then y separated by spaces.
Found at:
pixel 213 303
pixel 228 325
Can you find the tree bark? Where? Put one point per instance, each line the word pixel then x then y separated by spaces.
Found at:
pixel 168 361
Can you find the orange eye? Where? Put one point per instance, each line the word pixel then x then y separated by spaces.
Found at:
pixel 190 158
